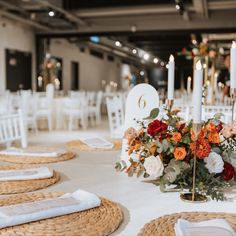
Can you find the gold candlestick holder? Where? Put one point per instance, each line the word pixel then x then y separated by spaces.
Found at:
pixel 169 105
pixel 194 196
pixel 233 98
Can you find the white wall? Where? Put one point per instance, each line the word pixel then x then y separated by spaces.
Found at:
pixel 14 36
pixel 92 69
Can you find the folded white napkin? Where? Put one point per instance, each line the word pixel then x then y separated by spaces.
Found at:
pixel 215 227
pixel 33 211
pixel 97 142
pixel 25 174
pixel 31 152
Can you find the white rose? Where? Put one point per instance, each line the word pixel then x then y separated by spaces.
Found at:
pixel 154 166
pixel 214 163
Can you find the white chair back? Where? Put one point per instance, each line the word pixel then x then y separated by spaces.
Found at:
pixel 115 114
pixel 12 128
pixel 210 111
pixel 98 100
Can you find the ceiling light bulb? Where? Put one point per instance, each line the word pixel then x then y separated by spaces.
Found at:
pixel 141 73
pixel 162 63
pixel 146 56
pixel 177 6
pixel 133 28
pixel 118 44
pixel 51 13
pixel 155 60
pixel 134 51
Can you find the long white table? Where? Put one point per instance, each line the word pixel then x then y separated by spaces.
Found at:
pixel 141 202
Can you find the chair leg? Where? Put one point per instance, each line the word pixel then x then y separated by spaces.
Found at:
pixel 49 123
pixel 98 118
pixel 70 124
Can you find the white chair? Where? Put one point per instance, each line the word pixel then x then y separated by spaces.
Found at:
pixel 44 110
pixel 12 128
pixel 115 116
pixel 94 109
pixel 75 110
pixel 27 105
pixel 184 112
pixel 210 111
pixel 6 106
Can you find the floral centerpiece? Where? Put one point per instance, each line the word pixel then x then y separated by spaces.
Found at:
pixel 163 149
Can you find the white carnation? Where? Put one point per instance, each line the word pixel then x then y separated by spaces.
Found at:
pixel 214 163
pixel 154 166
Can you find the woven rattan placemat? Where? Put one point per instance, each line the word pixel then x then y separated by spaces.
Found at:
pixel 77 144
pixel 164 226
pixel 99 221
pixel 37 160
pixel 23 186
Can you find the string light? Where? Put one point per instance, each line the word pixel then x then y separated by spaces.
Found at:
pixel 134 51
pixel 155 60
pixel 146 56
pixel 118 43
pixel 51 13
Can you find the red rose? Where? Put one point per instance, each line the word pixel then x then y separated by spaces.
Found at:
pixel 219 127
pixel 156 127
pixel 228 172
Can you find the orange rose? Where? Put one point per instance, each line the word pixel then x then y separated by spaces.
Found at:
pixel 180 153
pixel 176 137
pixel 211 127
pixel 214 137
pixel 201 135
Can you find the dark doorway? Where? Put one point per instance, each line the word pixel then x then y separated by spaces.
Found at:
pixel 74 75
pixel 18 70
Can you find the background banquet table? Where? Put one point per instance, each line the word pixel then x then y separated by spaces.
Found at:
pixel 140 201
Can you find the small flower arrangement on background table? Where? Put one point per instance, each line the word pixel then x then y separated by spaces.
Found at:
pixel 163 150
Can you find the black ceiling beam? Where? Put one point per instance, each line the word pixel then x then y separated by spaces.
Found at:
pixel 125 33
pixel 157 44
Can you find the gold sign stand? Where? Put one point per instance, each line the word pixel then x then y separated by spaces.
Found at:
pixel 194 196
pixel 170 103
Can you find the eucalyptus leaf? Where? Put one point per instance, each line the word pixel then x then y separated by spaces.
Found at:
pixel 118 166
pixel 165 144
pixel 217 116
pixel 216 150
pixel 186 139
pixel 153 114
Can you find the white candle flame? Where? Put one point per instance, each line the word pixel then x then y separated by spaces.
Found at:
pixel 199 65
pixel 171 59
pixel 189 78
pixel 233 44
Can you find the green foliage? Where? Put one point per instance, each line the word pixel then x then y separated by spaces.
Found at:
pixel 206 183
pixel 153 114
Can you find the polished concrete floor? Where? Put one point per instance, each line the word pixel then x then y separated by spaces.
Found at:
pixel 94 172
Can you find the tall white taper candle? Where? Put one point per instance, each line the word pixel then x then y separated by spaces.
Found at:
pixel 233 65
pixel 171 78
pixel 189 85
pixel 197 93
